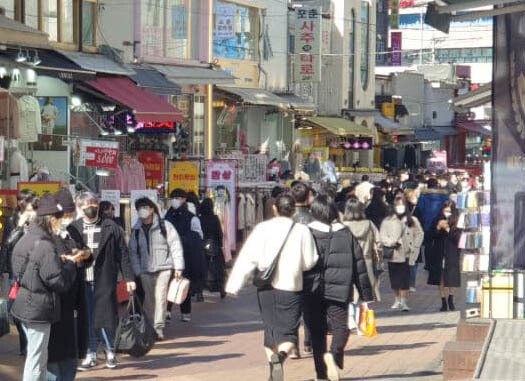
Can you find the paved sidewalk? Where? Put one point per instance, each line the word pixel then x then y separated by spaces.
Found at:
pixel 224 342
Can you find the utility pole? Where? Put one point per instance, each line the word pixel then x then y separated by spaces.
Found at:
pixel 422 34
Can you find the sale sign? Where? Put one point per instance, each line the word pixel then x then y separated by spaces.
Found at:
pixel 184 175
pixel 153 163
pixel 99 153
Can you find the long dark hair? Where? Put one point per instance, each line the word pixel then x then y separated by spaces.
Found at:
pixel 407 214
pixel 324 209
pixel 453 220
pixel 207 207
pixel 354 210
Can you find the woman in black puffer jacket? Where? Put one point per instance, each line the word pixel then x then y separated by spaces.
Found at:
pixel 329 286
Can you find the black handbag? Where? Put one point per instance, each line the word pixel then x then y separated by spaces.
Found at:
pixel 135 334
pixel 388 252
pixel 263 279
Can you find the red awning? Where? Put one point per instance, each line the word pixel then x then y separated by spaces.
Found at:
pixel 146 106
pixel 473 127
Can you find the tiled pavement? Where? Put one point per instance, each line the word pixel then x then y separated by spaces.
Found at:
pixel 223 342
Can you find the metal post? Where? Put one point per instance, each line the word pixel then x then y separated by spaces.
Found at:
pixel 422 33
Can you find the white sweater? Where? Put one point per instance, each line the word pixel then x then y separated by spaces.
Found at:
pixel 299 254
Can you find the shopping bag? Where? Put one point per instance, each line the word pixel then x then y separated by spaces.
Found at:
pixel 4 317
pixel 362 317
pixel 178 290
pixel 352 321
pixel 135 334
pixel 13 292
pixel 370 330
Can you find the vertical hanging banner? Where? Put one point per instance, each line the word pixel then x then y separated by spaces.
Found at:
pixel 153 163
pixel 396 41
pixel 508 152
pixel 221 181
pixel 308 44
pixel 394 14
pixel 184 175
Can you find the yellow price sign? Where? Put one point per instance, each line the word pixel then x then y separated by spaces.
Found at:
pixel 184 175
pixel 40 188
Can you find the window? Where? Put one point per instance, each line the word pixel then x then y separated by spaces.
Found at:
pixel 50 18
pixel 67 21
pixel 235 31
pixel 177 24
pixel 88 23
pixel 9 7
pixel 31 14
pixel 434 115
pixel 365 43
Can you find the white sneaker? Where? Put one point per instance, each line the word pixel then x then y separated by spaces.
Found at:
pixel 88 363
pixel 412 289
pixel 332 370
pixel 396 305
pixel 404 307
pixel 185 318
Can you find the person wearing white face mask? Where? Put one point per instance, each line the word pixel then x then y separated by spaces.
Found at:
pixel 445 258
pixel 155 251
pixel 401 234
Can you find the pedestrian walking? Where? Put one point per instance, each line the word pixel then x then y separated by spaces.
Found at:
pixel 105 240
pixel 367 235
pixel 68 339
pixel 411 196
pixel 212 231
pixel 42 274
pixel 402 235
pixel 155 251
pixel 292 248
pixel 363 190
pixel 329 286
pixel 377 210
pixel 190 232
pixel 444 264
pixel 16 226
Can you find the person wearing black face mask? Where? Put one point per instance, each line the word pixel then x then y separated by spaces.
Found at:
pixel 106 242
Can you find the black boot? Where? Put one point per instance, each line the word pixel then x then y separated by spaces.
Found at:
pixel 444 306
pixel 451 305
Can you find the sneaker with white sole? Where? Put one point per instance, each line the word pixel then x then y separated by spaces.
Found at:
pixel 88 363
pixel 332 370
pixel 412 289
pixel 185 318
pixel 111 361
pixel 396 305
pixel 405 307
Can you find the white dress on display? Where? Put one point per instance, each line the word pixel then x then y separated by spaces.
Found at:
pixel 18 169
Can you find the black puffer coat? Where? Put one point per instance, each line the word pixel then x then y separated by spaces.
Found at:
pixel 341 265
pixel 44 276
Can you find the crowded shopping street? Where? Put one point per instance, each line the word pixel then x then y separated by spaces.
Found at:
pixel 262 190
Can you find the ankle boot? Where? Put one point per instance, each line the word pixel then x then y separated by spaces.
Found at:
pixel 451 306
pixel 444 306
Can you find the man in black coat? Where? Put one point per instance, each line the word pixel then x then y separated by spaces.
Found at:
pixel 106 242
pixel 190 232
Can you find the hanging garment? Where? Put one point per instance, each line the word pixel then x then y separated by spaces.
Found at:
pixel 12 114
pixel 114 181
pixel 241 212
pixel 222 210
pixel 30 123
pixel 134 176
pixel 18 169
pixel 259 215
pixel 250 211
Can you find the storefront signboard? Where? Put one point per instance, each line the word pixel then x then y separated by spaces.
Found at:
pixel 99 153
pixel 113 196
pixel 438 161
pixel 221 180
pixel 135 195
pixel 308 44
pixel 396 39
pixel 251 168
pixel 153 162
pixel 224 20
pixel 184 175
pixel 40 188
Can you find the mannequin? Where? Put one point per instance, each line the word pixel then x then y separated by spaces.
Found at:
pixel 18 168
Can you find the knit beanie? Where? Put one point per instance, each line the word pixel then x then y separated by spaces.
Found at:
pixel 48 206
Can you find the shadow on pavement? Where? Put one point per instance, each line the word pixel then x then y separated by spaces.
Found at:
pixel 413 327
pixel 376 349
pixel 394 377
pixel 173 360
pixel 187 344
pixel 125 378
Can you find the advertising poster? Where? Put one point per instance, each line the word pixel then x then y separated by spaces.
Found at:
pixel 135 195
pixel 221 181
pixel 153 163
pixel 308 44
pixel 184 175
pixel 224 21
pixel 40 188
pixel 508 161
pixel 99 153
pixel 112 196
pixel 396 39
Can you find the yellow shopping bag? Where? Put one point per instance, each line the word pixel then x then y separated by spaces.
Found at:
pixel 370 330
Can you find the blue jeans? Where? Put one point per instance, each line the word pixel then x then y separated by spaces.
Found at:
pixel 35 367
pixel 413 275
pixel 62 370
pixel 100 335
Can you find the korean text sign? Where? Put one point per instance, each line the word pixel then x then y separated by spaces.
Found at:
pixel 40 188
pixel 153 163
pixel 222 174
pixel 184 175
pixel 99 153
pixel 308 44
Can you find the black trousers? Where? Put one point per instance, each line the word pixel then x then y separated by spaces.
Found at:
pixel 317 312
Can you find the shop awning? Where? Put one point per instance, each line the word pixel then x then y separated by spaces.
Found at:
pixel 188 75
pixel 154 81
pixel 51 63
pixel 98 63
pixel 256 96
pixel 473 127
pixel 339 126
pixel 426 134
pixel 147 107
pixel 298 103
pixel 446 131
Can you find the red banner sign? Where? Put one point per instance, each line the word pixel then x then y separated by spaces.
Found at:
pixel 396 44
pixel 153 163
pixel 99 153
